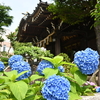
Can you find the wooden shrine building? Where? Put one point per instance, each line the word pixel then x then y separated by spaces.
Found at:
pixel 43 31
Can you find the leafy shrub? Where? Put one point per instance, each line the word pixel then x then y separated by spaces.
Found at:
pixel 4 60
pixel 52 85
pixel 32 52
pixel 67 59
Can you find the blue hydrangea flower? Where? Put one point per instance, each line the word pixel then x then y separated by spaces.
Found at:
pixel 14 59
pixel 2 67
pixel 97 89
pixel 46 64
pixel 56 88
pixel 21 66
pixel 42 65
pixel 61 69
pixel 87 60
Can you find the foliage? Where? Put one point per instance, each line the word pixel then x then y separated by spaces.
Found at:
pixel 4 60
pixel 96 13
pixel 72 11
pixel 12 36
pixel 5 18
pixel 46 64
pixel 27 50
pixel 18 44
pixel 10 88
pixel 1 39
pixel 52 85
pixel 67 59
pixel 4 53
pixel 32 52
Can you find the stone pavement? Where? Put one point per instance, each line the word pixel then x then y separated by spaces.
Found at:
pixel 95 97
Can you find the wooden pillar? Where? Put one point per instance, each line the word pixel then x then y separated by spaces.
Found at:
pixel 97 32
pixel 57 46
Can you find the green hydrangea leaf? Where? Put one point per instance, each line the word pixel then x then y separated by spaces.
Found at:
pixel 21 73
pixel 11 73
pixel 34 77
pixel 74 96
pixel 73 69
pixel 48 72
pixel 80 78
pixel 19 89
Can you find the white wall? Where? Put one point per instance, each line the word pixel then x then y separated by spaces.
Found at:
pixel 6 44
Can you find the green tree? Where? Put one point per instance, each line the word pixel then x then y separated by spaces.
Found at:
pixel 1 39
pixel 75 11
pixel 72 11
pixel 12 36
pixel 5 18
pixel 96 14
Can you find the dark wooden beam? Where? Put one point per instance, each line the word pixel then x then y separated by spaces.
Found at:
pixel 32 25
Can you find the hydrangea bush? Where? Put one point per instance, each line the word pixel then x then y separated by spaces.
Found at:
pixel 42 65
pixel 47 64
pixel 50 82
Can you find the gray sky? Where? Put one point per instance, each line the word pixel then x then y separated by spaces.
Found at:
pixel 18 7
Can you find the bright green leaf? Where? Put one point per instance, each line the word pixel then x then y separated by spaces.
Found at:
pixel 88 92
pixel 8 99
pixel 30 97
pixel 34 77
pixel 26 80
pixel 57 59
pixel 1 73
pixel 48 72
pixel 21 73
pixel 73 69
pixel 74 96
pixel 80 78
pixel 2 86
pixel 37 97
pixel 67 63
pixel 73 87
pixel 69 77
pixel 1 80
pixel 4 77
pixel 19 89
pixel 9 74
pixel 47 58
pixel 5 91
